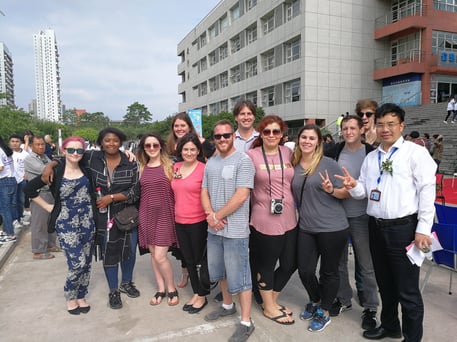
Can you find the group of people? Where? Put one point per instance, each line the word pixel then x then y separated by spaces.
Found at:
pixel 247 212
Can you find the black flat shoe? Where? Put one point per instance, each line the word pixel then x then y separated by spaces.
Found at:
pixel 84 309
pixel 74 311
pixel 380 333
pixel 186 307
pixel 194 310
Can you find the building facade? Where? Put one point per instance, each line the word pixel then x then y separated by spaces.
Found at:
pixel 47 76
pixel 6 76
pixel 314 59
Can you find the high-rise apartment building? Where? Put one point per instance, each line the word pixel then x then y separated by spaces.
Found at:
pixel 314 59
pixel 47 76
pixel 6 76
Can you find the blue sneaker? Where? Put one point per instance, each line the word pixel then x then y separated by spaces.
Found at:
pixel 309 311
pixel 319 322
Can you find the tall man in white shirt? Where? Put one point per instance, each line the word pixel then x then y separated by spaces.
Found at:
pixel 398 178
pixel 244 113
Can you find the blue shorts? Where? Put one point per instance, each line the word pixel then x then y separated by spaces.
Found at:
pixel 229 259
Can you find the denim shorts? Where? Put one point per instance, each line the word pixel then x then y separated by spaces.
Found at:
pixel 229 259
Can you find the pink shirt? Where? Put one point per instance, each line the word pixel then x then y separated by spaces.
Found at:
pixel 188 206
pixel 261 217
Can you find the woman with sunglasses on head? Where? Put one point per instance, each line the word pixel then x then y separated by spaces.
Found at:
pixel 273 219
pixel 157 221
pixel 366 108
pixel 191 224
pixel 72 218
pixel 323 229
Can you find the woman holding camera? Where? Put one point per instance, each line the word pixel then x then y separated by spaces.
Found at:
pixel 273 219
pixel 323 228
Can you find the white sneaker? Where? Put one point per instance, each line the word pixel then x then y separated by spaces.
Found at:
pixel 452 122
pixel 17 224
pixel 445 121
pixel 24 223
pixel 27 213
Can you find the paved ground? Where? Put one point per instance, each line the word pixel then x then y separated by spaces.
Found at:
pixel 33 308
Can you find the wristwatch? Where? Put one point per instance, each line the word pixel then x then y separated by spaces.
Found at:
pixel 112 198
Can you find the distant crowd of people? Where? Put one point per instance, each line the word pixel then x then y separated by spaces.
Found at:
pixel 242 213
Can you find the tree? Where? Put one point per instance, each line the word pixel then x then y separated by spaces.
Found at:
pixel 137 114
pixel 14 121
pixel 87 133
pixel 69 117
pixel 96 120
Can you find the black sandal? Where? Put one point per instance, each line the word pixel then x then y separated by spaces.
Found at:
pixel 172 295
pixel 158 295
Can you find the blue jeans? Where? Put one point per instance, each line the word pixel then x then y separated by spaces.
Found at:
pixel 127 265
pixel 20 200
pixel 359 233
pixel 8 188
pixel 229 259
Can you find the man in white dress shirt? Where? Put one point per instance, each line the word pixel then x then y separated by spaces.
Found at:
pixel 398 178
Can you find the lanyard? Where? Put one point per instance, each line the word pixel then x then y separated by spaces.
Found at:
pixel 268 170
pixel 381 171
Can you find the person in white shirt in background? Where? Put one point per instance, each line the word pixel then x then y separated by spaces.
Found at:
pixel 244 113
pixel 15 141
pixel 398 178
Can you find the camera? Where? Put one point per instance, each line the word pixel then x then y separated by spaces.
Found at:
pixel 276 206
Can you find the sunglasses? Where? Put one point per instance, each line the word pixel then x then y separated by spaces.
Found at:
pixel 275 132
pixel 368 114
pixel 154 146
pixel 225 135
pixel 72 150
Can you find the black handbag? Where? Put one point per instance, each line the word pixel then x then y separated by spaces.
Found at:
pixel 127 219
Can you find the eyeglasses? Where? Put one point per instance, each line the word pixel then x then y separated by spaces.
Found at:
pixel 387 124
pixel 368 114
pixel 225 135
pixel 275 131
pixel 72 150
pixel 154 146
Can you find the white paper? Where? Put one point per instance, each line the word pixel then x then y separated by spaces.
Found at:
pixel 416 256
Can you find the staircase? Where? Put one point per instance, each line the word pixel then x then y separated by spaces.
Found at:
pixel 429 119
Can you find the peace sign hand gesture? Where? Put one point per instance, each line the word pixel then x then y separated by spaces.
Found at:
pixel 327 185
pixel 348 181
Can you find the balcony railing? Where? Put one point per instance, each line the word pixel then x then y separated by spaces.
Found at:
pixel 402 12
pixel 444 6
pixel 412 56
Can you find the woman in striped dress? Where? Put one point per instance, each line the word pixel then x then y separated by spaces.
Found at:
pixel 157 228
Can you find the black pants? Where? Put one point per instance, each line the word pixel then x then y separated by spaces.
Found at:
pixel 397 278
pixel 329 247
pixel 192 243
pixel 264 253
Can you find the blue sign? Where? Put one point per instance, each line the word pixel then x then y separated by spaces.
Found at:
pixel 448 58
pixel 404 90
pixel 196 117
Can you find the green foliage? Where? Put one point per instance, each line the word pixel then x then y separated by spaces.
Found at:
pixel 14 121
pixel 96 120
pixel 137 114
pixel 87 133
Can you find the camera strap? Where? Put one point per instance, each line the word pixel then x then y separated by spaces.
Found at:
pixel 268 170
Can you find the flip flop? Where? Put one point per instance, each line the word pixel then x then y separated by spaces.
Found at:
pixel 158 295
pixel 284 309
pixel 172 295
pixel 277 319
pixel 43 256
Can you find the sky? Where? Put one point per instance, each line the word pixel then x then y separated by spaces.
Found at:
pixel 112 53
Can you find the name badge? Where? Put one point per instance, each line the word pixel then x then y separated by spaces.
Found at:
pixel 375 195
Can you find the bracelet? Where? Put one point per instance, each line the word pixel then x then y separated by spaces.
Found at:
pixel 112 198
pixel 333 190
pixel 216 221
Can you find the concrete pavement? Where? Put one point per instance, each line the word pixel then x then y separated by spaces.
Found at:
pixel 33 308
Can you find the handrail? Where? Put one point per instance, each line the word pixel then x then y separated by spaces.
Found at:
pixel 402 12
pixel 404 57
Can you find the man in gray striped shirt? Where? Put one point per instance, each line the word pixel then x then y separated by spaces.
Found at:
pixel 227 182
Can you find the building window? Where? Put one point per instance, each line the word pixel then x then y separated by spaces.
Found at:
pixel 212 33
pixel 251 34
pixel 223 79
pixel 446 41
pixel 268 60
pixel 235 100
pixel 223 52
pixel 403 48
pixel 235 74
pixel 268 97
pixel 223 23
pixel 213 108
pixel 235 12
pixel 252 97
pixel 250 4
pixel 212 84
pixel 251 67
pixel 202 89
pixel 235 43
pixel 292 50
pixel 224 106
pixel 292 9
pixel 292 91
pixel 203 40
pixel 203 64
pixel 268 23
pixel 212 58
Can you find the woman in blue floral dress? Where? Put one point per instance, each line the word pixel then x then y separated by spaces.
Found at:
pixel 72 219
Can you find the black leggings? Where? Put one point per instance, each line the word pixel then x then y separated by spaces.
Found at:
pixel 192 244
pixel 329 247
pixel 265 251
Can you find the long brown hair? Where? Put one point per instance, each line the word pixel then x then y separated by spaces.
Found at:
pixel 267 120
pixel 172 139
pixel 165 160
pixel 318 152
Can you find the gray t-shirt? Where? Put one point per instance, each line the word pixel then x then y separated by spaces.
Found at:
pixel 221 178
pixel 352 161
pixel 319 211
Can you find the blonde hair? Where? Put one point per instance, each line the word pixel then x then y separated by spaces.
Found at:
pixel 165 160
pixel 317 154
